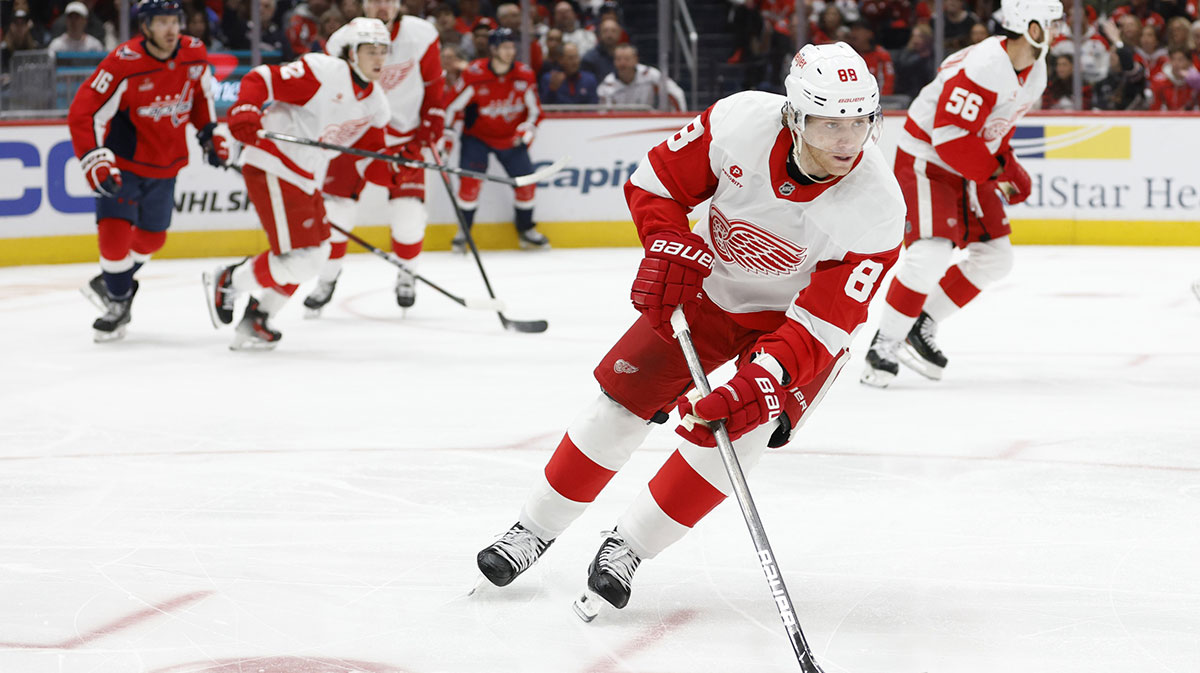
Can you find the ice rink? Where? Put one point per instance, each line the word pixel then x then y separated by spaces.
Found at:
pixel 169 506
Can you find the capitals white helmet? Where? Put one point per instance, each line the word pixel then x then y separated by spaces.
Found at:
pixel 1017 15
pixel 354 34
pixel 832 81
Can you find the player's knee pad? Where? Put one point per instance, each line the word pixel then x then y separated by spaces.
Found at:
pixel 408 220
pixel 607 433
pixel 115 238
pixel 523 196
pixel 988 262
pixel 468 191
pixel 924 263
pixel 341 211
pixel 298 265
pixel 147 243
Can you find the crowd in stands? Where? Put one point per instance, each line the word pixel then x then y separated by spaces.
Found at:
pixel 1141 55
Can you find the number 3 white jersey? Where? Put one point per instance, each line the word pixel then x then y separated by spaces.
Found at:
pixel 812 252
pixel 966 115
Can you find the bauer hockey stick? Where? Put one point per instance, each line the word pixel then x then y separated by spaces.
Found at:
pixel 519 181
pixel 527 326
pixel 766 557
pixel 476 303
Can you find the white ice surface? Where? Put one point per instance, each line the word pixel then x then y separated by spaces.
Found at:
pixel 169 505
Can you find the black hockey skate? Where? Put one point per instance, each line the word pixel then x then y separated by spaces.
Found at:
pixel 253 332
pixel 96 292
pixel 506 558
pixel 881 362
pixel 320 296
pixel 532 239
pixel 611 572
pixel 459 244
pixel 219 294
pixel 406 289
pixel 920 352
pixel 111 325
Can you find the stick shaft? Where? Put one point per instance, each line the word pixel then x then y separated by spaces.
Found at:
pixel 766 557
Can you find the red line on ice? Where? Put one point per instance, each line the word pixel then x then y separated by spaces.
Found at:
pixel 116 625
pixel 674 621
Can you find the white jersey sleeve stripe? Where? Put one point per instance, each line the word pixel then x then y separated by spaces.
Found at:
pixel 206 85
pixel 107 112
pixel 645 178
pixel 531 104
pixel 459 102
pixel 833 338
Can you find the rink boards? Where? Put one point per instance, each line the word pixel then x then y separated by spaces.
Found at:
pixel 1098 180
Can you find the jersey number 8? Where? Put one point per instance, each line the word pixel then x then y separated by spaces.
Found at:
pixel 687 134
pixel 861 282
pixel 964 104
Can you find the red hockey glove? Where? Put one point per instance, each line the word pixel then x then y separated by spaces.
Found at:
pixel 431 129
pixel 672 274
pixel 385 173
pixel 215 149
pixel 100 169
pixel 245 121
pixel 1013 181
pixel 752 397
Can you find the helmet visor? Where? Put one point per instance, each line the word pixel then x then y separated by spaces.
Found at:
pixel 841 135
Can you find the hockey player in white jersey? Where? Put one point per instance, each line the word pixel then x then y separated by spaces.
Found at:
pixel 805 219
pixel 413 83
pixel 957 170
pixel 320 97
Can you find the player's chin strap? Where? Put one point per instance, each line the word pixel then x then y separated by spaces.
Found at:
pixel 797 148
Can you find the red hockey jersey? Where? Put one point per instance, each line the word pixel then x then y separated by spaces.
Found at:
pixel 139 107
pixel 501 103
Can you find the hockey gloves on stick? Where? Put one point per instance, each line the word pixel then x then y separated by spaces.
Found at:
pixel 215 149
pixel 245 121
pixel 1013 181
pixel 431 129
pixel 387 173
pixel 752 397
pixel 100 169
pixel 526 132
pixel 671 274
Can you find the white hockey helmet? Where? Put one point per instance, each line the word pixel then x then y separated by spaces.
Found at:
pixel 831 81
pixel 357 32
pixel 1018 15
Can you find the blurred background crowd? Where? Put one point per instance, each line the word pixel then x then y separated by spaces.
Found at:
pixel 1136 56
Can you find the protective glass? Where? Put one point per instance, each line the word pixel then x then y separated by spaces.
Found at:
pixel 842 135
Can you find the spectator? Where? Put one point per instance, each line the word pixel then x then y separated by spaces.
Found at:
pixel 958 20
pixel 1130 30
pixel 914 66
pixel 849 8
pixel 468 19
pixel 475 43
pixel 568 85
pixel 879 61
pixel 551 50
pixel 18 37
pixel 198 27
pixel 454 62
pixel 444 20
pixel 351 9
pixel 1060 89
pixel 331 20
pixel 599 60
pixel 566 19
pixel 979 33
pixel 893 20
pixel 632 83
pixel 830 27
pixel 1140 9
pixel 93 20
pixel 508 15
pixel 1152 53
pixel 1171 88
pixel 303 27
pixel 1179 34
pixel 76 37
pixel 417 8
pixel 1094 58
pixel 1125 86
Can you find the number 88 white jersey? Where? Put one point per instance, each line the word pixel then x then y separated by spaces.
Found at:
pixel 965 116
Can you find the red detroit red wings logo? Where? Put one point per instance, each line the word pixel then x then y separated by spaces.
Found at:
pixel 345 133
pixel 753 248
pixel 394 74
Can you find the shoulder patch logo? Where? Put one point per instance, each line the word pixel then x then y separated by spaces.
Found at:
pixel 127 54
pixel 195 71
pixel 520 85
pixel 753 248
pixel 787 188
pixel 623 367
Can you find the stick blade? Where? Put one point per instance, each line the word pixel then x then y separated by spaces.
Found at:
pixel 541 174
pixel 483 304
pixel 525 326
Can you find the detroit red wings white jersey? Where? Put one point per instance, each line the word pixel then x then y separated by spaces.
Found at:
pixel 814 252
pixel 412 78
pixel 314 97
pixel 966 115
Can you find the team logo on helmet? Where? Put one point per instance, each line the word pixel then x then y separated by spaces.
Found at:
pixel 752 248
